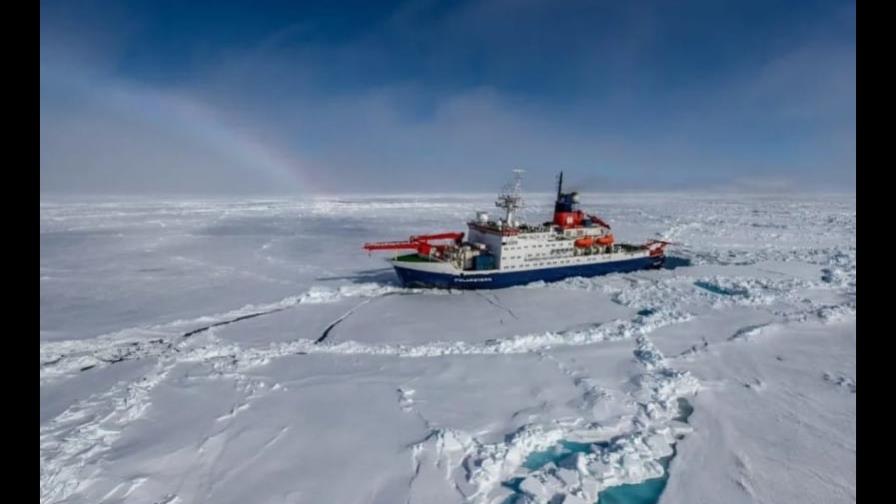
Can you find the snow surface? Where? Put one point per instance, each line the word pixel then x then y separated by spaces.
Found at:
pixel 249 351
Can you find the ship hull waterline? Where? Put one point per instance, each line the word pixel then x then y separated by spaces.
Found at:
pixel 411 277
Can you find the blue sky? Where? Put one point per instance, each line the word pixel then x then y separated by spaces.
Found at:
pixel 299 97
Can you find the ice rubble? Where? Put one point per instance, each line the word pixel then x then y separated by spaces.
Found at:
pixel 629 458
pixel 496 462
pixel 63 358
pixel 62 442
pixel 60 358
pixel 86 430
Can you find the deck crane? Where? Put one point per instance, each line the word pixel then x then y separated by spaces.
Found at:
pixel 420 243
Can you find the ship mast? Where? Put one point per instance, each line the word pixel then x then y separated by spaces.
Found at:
pixel 511 198
pixel 559 185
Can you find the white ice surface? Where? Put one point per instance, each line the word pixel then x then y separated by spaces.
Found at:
pixel 179 363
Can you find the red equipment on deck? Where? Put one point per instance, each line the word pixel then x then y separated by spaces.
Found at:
pixel 595 219
pixel 656 246
pixel 569 219
pixel 566 212
pixel 419 243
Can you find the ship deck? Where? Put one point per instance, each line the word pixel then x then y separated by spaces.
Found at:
pixel 415 257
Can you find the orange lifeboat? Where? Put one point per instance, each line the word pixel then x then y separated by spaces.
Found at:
pixel 585 242
pixel 590 241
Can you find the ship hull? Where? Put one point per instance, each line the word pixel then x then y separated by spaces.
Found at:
pixel 413 277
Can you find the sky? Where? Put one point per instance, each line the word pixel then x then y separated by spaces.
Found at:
pixel 239 98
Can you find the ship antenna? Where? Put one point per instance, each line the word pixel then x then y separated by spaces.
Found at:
pixel 511 198
pixel 559 185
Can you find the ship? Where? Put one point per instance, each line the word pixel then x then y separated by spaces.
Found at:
pixel 506 251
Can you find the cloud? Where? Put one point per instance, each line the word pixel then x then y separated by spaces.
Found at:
pixel 432 97
pixel 100 134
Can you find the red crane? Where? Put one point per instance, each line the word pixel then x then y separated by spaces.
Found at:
pixel 419 243
pixel 597 220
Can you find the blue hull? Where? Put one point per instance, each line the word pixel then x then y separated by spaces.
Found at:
pixel 470 280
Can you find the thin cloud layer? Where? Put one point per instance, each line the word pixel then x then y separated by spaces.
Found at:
pixel 449 98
